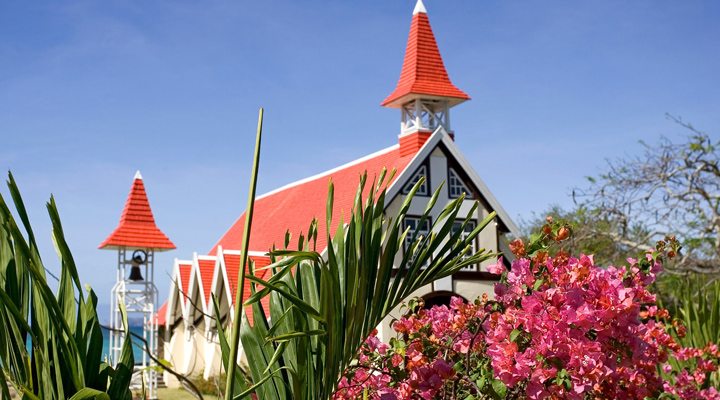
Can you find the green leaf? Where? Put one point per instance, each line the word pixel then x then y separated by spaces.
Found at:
pixel 499 388
pixel 238 304
pixel 538 283
pixel 88 393
pixel 294 335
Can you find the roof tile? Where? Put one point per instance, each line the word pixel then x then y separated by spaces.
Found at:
pixel 293 207
pixel 137 224
pixel 423 71
pixel 184 284
pixel 206 266
pixel 162 314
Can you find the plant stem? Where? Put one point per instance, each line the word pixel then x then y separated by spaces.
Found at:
pixel 235 332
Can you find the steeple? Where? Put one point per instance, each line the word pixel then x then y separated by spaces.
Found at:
pixel 424 92
pixel 137 224
pixel 134 295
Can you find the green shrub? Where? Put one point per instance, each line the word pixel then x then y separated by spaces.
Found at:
pixel 50 343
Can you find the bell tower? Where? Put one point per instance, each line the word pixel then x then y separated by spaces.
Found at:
pixel 424 93
pixel 136 240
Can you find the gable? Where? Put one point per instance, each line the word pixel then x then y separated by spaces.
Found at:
pixel 231 266
pixel 206 269
pixel 194 305
pixel 292 208
pixel 184 271
pixel 472 178
pixel 179 287
pixel 441 141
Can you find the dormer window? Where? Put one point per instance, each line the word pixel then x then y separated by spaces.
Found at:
pixel 424 189
pixel 456 186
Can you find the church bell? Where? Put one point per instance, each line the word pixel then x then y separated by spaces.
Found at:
pixel 139 257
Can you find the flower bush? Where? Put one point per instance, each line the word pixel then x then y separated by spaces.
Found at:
pixel 558 327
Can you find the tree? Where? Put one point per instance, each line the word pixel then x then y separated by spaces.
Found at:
pixel 591 234
pixel 671 189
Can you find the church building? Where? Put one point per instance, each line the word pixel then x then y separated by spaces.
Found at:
pixel 425 97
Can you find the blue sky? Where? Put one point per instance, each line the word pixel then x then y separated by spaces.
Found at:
pixel 91 91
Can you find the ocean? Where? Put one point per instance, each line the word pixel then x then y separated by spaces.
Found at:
pixel 137 345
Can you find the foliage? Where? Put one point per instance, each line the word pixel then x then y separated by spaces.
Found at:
pixel 50 344
pixel 324 305
pixel 697 311
pixel 213 386
pixel 234 347
pixel 591 233
pixel 671 188
pixel 559 327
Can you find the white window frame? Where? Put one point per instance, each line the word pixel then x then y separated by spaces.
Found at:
pixel 424 189
pixel 456 185
pixel 469 227
pixel 415 220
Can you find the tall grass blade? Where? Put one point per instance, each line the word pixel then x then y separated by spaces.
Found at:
pixel 235 331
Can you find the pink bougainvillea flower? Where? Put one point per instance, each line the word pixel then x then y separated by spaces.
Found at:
pixel 498 268
pixel 559 327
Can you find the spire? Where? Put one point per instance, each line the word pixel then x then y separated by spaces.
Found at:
pixel 419 8
pixel 423 73
pixel 137 224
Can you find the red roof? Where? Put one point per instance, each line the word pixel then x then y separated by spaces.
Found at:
pixel 232 265
pixel 161 314
pixel 423 72
pixel 206 265
pixel 182 280
pixel 137 224
pixel 184 283
pixel 294 206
